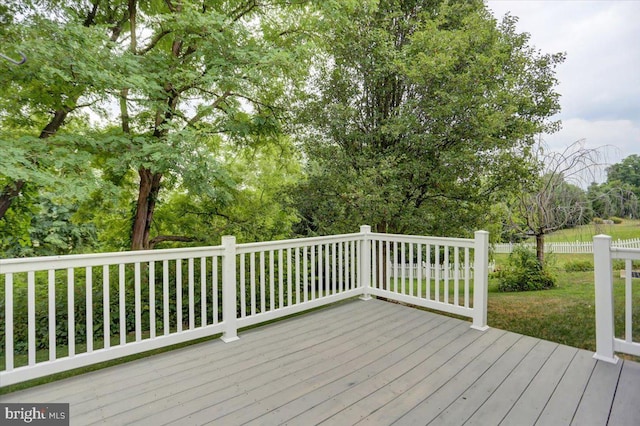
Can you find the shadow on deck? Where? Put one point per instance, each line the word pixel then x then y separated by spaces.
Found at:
pixel 367 362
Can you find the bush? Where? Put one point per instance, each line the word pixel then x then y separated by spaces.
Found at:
pixel 524 272
pixel 598 221
pixel 620 264
pixel 616 220
pixel 578 266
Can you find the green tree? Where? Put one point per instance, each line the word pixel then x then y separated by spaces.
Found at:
pixel 207 68
pixel 420 114
pixel 179 74
pixel 627 172
pixel 249 203
pixel 612 199
pixel 67 45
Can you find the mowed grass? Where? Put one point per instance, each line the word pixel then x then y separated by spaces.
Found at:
pixel 564 314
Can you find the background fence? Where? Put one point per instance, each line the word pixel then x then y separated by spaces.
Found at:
pixel 576 247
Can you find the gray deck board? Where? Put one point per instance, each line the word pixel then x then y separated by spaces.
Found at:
pixel 532 401
pixel 468 402
pixel 496 407
pixel 367 362
pixel 626 407
pixel 564 400
pixel 411 389
pixel 435 403
pixel 279 380
pixel 334 396
pixel 221 385
pixel 596 401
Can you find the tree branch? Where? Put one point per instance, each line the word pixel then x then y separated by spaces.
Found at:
pixel 154 41
pixel 216 104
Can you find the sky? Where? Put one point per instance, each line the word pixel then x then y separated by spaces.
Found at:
pixel 599 82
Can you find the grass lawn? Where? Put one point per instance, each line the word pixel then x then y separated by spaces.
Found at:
pixel 565 314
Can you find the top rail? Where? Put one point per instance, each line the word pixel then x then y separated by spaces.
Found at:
pixel 98 259
pixel 625 253
pixel 295 242
pixel 417 239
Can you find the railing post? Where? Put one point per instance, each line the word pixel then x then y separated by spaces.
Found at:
pixel 229 315
pixel 365 262
pixel 603 273
pixel 480 280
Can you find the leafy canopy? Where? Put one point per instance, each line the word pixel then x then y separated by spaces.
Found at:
pixel 419 115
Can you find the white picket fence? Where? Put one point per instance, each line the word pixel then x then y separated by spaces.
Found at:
pixel 452 270
pixel 576 247
pixel 65 312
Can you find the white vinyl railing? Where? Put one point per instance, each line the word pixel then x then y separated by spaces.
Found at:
pixel 606 341
pixel 65 312
pixel 444 289
pixel 576 247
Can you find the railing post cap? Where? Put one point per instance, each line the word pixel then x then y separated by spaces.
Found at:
pixel 482 235
pixel 365 228
pixel 601 236
pixel 228 239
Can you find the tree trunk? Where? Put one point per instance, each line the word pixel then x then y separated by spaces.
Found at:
pixel 147 196
pixel 10 191
pixel 540 248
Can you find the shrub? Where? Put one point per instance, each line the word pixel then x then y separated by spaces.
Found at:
pixel 620 264
pixel 524 272
pixel 598 221
pixel 578 266
pixel 616 220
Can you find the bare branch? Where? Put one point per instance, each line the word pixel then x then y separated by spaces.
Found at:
pixel 555 200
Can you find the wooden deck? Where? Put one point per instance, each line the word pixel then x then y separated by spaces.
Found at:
pixel 368 362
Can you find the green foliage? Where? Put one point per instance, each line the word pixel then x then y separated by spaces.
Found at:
pixel 597 220
pixel 616 220
pixel 244 198
pixel 182 76
pixel 620 264
pixel 613 199
pixel 79 305
pixel 627 172
pixel 419 117
pixel 413 117
pixel 578 266
pixel 524 272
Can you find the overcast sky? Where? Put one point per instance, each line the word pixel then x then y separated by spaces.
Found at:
pixel 600 79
